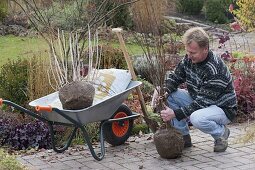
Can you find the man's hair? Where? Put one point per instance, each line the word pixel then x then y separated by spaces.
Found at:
pixel 198 35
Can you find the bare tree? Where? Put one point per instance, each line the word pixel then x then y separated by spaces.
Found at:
pixel 68 45
pixel 149 20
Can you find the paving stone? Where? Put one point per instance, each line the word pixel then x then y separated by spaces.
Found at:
pixel 112 165
pixel 211 168
pixel 170 167
pixel 243 160
pixel 246 149
pixel 204 164
pixel 143 155
pixel 230 164
pixel 187 163
pixel 68 158
pixel 247 167
pixel 34 168
pixel 95 165
pixel 230 149
pixel 58 165
pixel 249 156
pixel 131 166
pixel 43 167
pixel 21 160
pixel 232 168
pixel 198 152
pixel 152 164
pixel 214 154
pixel 190 168
pixel 222 159
pixel 73 163
pixel 57 168
pixel 29 157
pixel 237 154
pixel 201 158
pixel 35 161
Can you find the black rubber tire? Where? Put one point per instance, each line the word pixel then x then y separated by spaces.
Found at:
pixel 108 130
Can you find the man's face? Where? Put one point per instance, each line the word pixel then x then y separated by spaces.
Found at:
pixel 196 53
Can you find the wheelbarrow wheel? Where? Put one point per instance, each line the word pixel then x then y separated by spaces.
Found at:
pixel 116 133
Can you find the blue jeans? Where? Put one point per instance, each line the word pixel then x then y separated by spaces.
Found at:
pixel 210 120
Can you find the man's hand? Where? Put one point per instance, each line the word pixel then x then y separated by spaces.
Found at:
pixel 167 114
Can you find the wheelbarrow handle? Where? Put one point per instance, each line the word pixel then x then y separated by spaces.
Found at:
pixel 22 109
pixel 43 108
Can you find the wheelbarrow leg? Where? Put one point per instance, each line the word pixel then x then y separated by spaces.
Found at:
pixel 70 138
pixel 100 155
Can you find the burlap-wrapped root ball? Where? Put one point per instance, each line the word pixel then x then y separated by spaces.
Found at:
pixel 77 95
pixel 169 143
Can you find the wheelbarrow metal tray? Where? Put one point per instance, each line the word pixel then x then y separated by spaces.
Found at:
pixel 97 112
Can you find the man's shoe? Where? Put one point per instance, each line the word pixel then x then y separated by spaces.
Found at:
pixel 221 144
pixel 187 141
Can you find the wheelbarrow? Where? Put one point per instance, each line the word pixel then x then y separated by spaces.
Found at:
pixel 116 119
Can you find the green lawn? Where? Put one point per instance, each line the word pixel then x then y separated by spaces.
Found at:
pixel 133 49
pixel 14 47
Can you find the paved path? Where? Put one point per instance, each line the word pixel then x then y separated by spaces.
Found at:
pixel 140 153
pixel 239 42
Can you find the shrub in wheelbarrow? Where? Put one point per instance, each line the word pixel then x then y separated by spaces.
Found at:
pixel 72 77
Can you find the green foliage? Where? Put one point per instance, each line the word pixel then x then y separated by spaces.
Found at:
pixel 93 131
pixel 3 9
pixel 147 87
pixel 8 162
pixel 91 128
pixel 68 15
pixel 140 128
pixel 193 7
pixel 13 81
pixel 154 116
pixel 120 17
pixel 216 10
pixel 168 26
pixel 246 14
pixel 112 58
pixel 238 54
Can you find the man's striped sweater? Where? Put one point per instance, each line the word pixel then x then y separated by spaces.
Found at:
pixel 208 83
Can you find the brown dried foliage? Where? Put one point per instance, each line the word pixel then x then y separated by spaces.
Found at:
pixel 148 15
pixel 38 82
